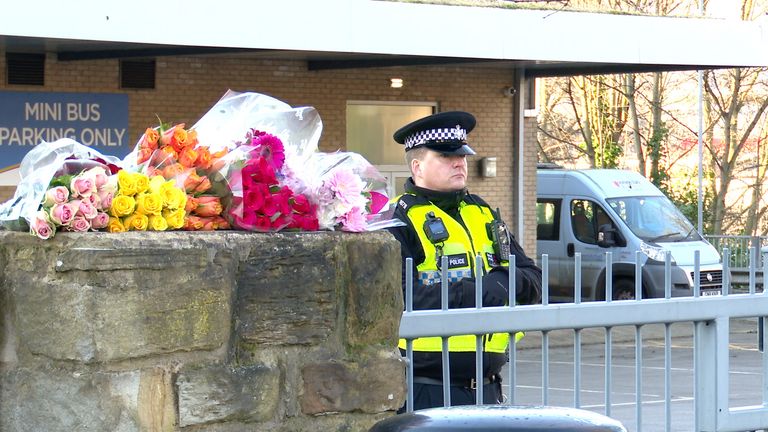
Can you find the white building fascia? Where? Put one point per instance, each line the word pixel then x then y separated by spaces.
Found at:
pixel 356 28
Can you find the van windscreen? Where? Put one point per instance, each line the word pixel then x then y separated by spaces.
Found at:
pixel 654 219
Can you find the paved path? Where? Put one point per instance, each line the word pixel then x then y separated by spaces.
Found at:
pixel 745 373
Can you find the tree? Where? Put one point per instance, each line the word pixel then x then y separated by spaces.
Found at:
pixel 735 112
pixel 591 119
pixel 602 106
pixel 585 117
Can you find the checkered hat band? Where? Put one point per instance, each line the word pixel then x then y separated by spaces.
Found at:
pixel 429 135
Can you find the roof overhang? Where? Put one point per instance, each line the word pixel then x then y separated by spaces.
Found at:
pixel 366 33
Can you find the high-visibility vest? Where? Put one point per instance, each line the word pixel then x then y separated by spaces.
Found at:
pixel 461 248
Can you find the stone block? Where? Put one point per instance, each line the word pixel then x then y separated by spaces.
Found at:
pixel 156 401
pixel 161 318
pixel 374 294
pixel 218 394
pixel 55 400
pixel 91 305
pixel 56 320
pixel 288 289
pixel 373 384
pixel 125 258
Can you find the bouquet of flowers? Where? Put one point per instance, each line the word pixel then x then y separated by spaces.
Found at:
pixel 262 198
pixel 263 194
pixel 146 204
pixel 175 153
pixel 64 186
pixel 349 192
pixel 279 179
pixel 75 203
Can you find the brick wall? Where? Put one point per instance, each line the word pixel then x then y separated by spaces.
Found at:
pixel 186 87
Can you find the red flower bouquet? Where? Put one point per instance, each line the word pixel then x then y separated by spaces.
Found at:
pixel 259 201
pixel 278 178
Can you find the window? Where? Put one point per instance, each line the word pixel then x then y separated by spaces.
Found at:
pixel 654 218
pixel 137 74
pixel 586 218
pixel 25 69
pixel 370 125
pixel 547 219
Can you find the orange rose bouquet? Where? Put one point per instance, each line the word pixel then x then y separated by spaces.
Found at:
pixel 175 154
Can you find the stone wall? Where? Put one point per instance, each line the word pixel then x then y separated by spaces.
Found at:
pixel 214 331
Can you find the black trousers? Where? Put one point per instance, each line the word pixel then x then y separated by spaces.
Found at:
pixel 431 395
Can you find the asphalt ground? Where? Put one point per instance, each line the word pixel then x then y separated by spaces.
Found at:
pixel 746 381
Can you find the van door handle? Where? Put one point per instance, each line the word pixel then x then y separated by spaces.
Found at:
pixel 569 249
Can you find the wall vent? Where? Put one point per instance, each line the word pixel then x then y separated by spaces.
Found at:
pixel 25 69
pixel 137 74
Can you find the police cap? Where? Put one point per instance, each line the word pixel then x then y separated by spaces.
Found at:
pixel 444 132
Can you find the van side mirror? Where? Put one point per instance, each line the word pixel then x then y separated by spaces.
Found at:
pixel 606 236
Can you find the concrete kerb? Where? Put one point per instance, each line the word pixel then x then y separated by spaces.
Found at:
pixel 627 334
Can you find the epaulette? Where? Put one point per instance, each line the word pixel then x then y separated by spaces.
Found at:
pixel 406 201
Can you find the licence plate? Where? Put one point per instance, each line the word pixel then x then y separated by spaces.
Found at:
pixel 707 293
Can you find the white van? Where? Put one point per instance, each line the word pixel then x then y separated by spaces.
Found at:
pixel 599 210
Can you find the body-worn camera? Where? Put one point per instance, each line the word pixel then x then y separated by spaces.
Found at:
pixel 435 229
pixel 502 242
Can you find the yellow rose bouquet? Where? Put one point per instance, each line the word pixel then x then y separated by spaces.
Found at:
pixel 146 204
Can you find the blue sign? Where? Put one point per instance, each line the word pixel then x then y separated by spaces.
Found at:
pixel 98 120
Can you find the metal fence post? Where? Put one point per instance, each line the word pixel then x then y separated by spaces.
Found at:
pixel 760 334
pixel 705 378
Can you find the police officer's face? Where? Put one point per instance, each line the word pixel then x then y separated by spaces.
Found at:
pixel 440 172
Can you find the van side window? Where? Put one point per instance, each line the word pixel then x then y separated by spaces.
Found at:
pixel 583 221
pixel 586 218
pixel 548 219
pixel 603 218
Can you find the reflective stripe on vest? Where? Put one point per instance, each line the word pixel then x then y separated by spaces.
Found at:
pixel 461 247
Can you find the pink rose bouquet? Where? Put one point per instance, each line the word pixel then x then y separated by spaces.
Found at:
pixel 64 186
pixel 76 202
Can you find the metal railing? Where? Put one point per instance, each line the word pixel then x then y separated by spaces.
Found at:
pixel 739 247
pixel 709 316
pixel 743 249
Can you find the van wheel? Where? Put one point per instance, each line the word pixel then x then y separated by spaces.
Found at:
pixel 623 289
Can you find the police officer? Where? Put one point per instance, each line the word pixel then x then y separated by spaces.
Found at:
pixel 443 219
